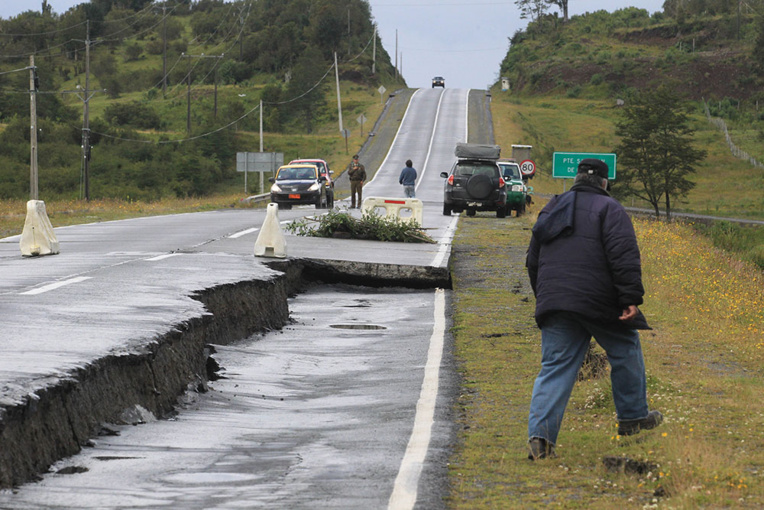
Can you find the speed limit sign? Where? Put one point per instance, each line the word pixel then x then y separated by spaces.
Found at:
pixel 528 168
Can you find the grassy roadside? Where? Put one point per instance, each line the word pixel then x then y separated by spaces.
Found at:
pixel 725 185
pixel 704 362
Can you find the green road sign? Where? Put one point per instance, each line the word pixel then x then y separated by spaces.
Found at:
pixel 565 164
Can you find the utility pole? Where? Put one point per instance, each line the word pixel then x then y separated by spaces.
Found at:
pixel 164 50
pixel 33 85
pixel 339 100
pixel 188 97
pixel 396 53
pixel 374 52
pixel 188 92
pixel 85 97
pixel 86 116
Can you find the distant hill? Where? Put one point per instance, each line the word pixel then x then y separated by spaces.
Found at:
pixel 708 54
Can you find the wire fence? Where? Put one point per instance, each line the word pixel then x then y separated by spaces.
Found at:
pixel 736 151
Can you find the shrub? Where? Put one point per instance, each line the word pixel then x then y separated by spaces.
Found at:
pixel 371 226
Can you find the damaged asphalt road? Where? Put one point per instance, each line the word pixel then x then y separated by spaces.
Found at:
pixel 315 415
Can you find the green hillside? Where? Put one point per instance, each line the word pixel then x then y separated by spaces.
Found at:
pixel 567 80
pixel 155 71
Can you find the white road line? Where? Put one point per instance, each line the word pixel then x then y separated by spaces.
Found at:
pixel 243 233
pixel 445 244
pixel 432 140
pixel 395 138
pixel 162 257
pixel 405 487
pixel 52 286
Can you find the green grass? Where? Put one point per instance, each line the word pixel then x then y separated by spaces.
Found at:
pixel 704 364
pixel 725 186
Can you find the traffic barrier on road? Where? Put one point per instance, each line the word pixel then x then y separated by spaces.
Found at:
pixel 37 238
pixel 394 206
pixel 271 241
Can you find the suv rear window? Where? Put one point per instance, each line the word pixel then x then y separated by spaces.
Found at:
pixel 466 168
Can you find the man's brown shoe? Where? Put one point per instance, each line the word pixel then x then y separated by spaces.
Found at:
pixel 540 448
pixel 631 427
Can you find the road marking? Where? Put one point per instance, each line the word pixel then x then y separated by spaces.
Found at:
pixel 445 244
pixel 162 257
pixel 432 140
pixel 405 487
pixel 395 138
pixel 52 286
pixel 243 233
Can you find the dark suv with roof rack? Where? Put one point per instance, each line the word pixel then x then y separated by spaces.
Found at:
pixel 475 182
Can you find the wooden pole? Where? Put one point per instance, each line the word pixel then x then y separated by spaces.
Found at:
pixel 33 190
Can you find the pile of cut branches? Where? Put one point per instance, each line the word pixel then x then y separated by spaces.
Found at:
pixel 341 224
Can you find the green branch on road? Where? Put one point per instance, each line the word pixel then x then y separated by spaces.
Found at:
pixel 371 226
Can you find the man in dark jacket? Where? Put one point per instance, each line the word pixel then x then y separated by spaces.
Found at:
pixel 584 266
pixel 408 179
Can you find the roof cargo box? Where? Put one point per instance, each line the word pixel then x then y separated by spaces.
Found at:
pixel 477 151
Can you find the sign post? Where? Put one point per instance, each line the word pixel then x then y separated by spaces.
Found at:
pixel 261 162
pixel 361 119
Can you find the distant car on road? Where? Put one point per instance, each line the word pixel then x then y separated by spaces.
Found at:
pixel 298 184
pixel 475 182
pixel 517 192
pixel 323 168
pixel 438 81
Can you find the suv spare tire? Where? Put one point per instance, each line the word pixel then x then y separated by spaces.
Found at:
pixel 480 186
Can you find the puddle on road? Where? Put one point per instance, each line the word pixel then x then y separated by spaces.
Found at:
pixel 356 326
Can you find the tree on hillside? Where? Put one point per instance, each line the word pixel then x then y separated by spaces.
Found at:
pixel 656 154
pixel 306 88
pixel 563 5
pixel 535 9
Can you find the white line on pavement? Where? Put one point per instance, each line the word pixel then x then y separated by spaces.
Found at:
pixel 405 487
pixel 162 257
pixel 243 233
pixel 52 286
pixel 445 244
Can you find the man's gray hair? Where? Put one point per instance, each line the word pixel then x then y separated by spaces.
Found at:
pixel 593 180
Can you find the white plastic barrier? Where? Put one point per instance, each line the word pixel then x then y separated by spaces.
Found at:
pixel 37 238
pixel 394 206
pixel 271 241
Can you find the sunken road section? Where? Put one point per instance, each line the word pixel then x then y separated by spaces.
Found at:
pixel 58 420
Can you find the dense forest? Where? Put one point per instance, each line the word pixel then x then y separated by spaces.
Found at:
pixel 138 63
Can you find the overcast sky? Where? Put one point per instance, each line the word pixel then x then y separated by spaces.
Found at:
pixel 462 40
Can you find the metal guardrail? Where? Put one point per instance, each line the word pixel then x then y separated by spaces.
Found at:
pixel 256 198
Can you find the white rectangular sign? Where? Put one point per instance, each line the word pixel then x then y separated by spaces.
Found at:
pixel 259 161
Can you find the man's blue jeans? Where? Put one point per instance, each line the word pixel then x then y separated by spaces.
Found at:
pixel 565 338
pixel 410 191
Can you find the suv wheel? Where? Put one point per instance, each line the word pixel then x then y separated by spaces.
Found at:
pixel 501 212
pixel 480 186
pixel 446 210
pixel 471 212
